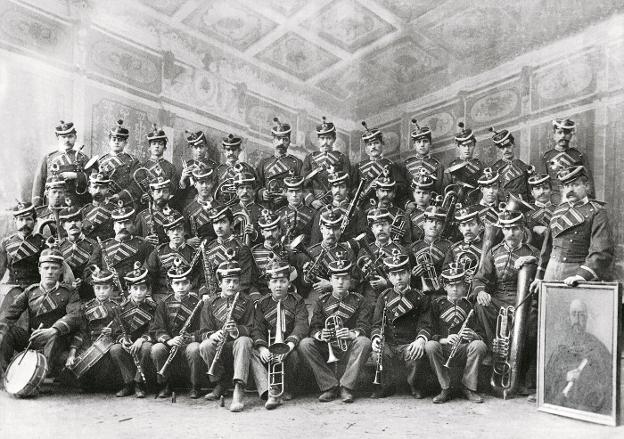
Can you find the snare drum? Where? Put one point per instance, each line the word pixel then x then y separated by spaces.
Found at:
pixel 91 356
pixel 25 374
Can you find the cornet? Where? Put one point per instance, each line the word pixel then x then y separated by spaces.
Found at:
pixel 334 323
pixel 430 278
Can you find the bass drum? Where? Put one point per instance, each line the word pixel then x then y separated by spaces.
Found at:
pixel 25 374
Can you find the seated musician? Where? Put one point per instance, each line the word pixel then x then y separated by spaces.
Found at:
pixel 149 222
pixel 196 209
pixel 293 327
pixel 176 325
pixel 341 318
pixel 226 322
pixel 134 344
pixel 374 278
pixel 471 228
pixel 53 314
pixel 405 330
pixel 296 218
pixel 454 330
pixel 97 214
pixel 97 327
pixel 422 193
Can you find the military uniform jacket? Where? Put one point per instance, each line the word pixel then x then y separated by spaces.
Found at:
pixel 171 315
pixel 433 166
pixel 513 177
pixel 408 316
pixel 297 220
pixel 353 228
pixel 215 312
pixel 294 319
pixel 489 213
pixel 225 171
pixel 217 253
pixel 147 222
pixel 354 310
pixel 80 255
pixel 123 254
pixel 185 192
pixel 497 275
pixel 94 317
pixel 121 167
pixel 262 256
pixel 473 249
pixel 579 234
pixel 540 216
pixel 369 170
pixel 58 308
pixel 331 254
pixel 136 318
pixel 72 161
pixel 273 166
pixel 98 221
pixel 447 317
pixel 318 184
pixel 21 258
pixel 161 260
pixel 163 168
pixel 554 160
pixel 198 221
pixel 417 218
pixel 437 249
pixel 380 252
pixel 472 172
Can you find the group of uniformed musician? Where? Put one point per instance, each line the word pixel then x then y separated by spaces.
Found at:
pixel 153 273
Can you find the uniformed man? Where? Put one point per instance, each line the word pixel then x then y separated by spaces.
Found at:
pixel 272 170
pixel 578 245
pixel 227 320
pixel 448 316
pixel 196 211
pixel 65 161
pixel 405 330
pixel 121 252
pixel 539 218
pixel 47 215
pixel 317 164
pixel 349 340
pixel 134 343
pixel 79 252
pixel 98 221
pixel 296 218
pixel 514 173
pixel 422 160
pixel 369 169
pixel 53 312
pixel 422 193
pixel 149 222
pixel 465 168
pixel 179 310
pixel 248 230
pixel 291 326
pixel 201 156
pixel 161 259
pixel 563 156
pixel 467 251
pixel 227 172
pixel 156 164
pixel 489 185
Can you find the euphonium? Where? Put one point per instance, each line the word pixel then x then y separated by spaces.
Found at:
pixel 244 220
pixel 332 324
pixel 430 278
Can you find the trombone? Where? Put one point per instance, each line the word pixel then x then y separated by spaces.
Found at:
pixel 334 323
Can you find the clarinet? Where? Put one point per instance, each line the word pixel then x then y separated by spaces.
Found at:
pixel 124 335
pixel 382 342
pixel 110 267
pixel 222 343
pixel 456 345
pixel 209 277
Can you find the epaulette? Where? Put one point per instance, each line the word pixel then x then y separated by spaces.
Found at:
pixel 533 249
pixel 297 296
pixel 193 294
pixel 30 288
pixel 324 295
pixel 169 297
pixel 356 294
pixel 497 246
pixel 88 302
pixel 598 204
pixel 163 245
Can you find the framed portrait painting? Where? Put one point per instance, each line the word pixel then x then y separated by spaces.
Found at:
pixel 578 350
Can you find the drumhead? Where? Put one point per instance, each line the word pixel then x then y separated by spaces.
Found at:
pixel 20 374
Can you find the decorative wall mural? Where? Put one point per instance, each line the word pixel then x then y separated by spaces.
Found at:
pixel 168 7
pixel 285 8
pixel 392 137
pixel 405 61
pixel 442 123
pixel 495 105
pixel 260 114
pixel 410 9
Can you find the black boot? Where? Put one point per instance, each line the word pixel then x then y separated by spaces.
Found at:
pixel 126 390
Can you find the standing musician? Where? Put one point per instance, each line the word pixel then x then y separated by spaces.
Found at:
pixel 370 169
pixel 471 167
pixel 513 172
pixel 489 185
pixel 161 259
pixel 341 319
pixel 196 211
pixel 174 313
pixel 66 161
pixel 543 207
pixel 134 344
pixel 55 201
pixel 455 334
pixel 201 156
pixel 97 323
pixel 247 208
pixel 422 193
pixel 53 314
pixel 422 160
pixel 120 166
pixel 578 245
pixel 405 328
pixel 272 170
pixel 121 252
pixel 97 220
pixel 319 162
pixel 156 164
pixel 296 218
pixel 374 278
pixel 563 156
pixel 226 324
pixel 285 332
pixel 227 172
pixel 470 246
pixel 79 252
pixel 149 222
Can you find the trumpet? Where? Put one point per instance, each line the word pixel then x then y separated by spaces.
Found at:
pixel 456 345
pixel 430 278
pixel 334 323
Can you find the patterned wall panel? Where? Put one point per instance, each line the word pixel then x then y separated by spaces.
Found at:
pixel 500 103
pixel 441 119
pixel 285 8
pixel 409 9
pixel 167 7
pixel 259 116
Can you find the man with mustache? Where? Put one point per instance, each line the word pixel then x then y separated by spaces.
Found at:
pixel 149 222
pixel 539 218
pixel 196 211
pixel 277 166
pixel 156 164
pixel 467 251
pixel 97 213
pixel 244 183
pixel 465 164
pixel 422 193
pixel 513 171
pixel 68 162
pixel 563 155
pixel 319 162
pixel 422 160
pixel 578 245
pixel 203 154
pixel 296 218
pixel 226 172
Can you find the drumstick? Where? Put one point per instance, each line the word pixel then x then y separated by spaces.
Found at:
pixel 28 347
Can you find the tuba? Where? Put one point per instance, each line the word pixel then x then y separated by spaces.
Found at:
pixel 332 324
pixel 430 278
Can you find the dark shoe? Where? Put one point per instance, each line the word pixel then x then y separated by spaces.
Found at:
pixel 383 392
pixel 126 390
pixel 272 402
pixel 216 393
pixel 442 397
pixel 472 396
pixel 165 392
pixel 417 394
pixel 139 392
pixel 346 395
pixel 328 395
pixel 194 393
